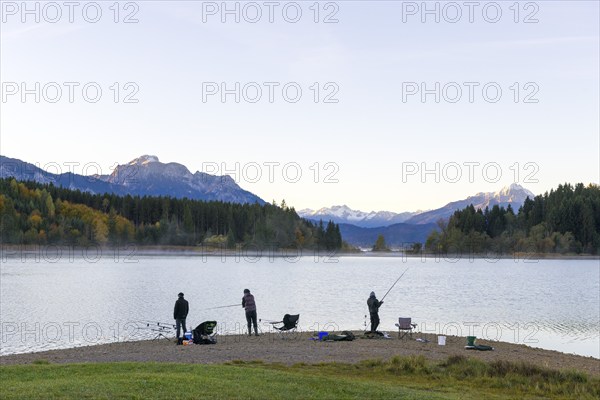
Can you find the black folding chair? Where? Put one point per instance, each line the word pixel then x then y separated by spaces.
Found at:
pixel 289 325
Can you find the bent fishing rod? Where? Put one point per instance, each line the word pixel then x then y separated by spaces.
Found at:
pixel 390 289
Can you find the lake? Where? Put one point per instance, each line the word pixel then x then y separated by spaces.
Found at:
pixel 72 301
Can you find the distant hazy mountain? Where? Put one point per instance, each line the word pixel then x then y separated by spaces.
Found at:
pixel 145 175
pixel 361 229
pixel 345 215
pixel 396 235
pixel 514 195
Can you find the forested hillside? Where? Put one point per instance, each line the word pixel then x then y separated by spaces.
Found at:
pixel 565 220
pixel 33 213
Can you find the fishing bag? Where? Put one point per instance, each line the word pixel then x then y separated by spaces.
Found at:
pixel 205 333
pixel 345 336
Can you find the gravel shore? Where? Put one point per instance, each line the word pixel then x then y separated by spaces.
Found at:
pixel 299 348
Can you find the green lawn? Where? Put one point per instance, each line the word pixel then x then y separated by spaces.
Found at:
pixel 399 378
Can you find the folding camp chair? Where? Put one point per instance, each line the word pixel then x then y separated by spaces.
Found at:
pixel 205 333
pixel 290 324
pixel 405 326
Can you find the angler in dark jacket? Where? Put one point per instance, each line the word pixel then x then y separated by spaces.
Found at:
pixel 180 314
pixel 374 305
pixel 250 307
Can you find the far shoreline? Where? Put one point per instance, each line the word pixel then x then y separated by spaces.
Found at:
pixel 54 251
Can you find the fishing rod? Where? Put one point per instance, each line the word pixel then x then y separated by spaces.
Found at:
pixel 214 308
pixel 390 289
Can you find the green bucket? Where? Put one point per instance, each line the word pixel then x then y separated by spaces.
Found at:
pixel 471 340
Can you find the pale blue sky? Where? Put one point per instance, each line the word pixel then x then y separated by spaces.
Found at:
pixel 369 133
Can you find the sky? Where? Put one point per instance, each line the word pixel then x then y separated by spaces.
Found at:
pixel 384 107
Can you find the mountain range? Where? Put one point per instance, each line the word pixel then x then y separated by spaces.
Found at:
pixel 514 195
pixel 361 228
pixel 143 176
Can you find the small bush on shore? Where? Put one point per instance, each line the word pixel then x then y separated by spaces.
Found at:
pixel 410 364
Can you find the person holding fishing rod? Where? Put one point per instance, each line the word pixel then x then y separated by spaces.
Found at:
pixel 250 306
pixel 374 305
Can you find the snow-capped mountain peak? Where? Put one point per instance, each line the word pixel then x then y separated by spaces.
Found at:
pixel 343 211
pixel 143 160
pixel 513 195
pixel 345 214
pixel 513 189
pixel 146 174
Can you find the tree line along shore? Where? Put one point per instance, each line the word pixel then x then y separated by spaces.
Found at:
pixel 563 221
pixel 34 213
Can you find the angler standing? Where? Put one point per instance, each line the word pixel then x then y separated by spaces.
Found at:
pixel 374 305
pixel 250 307
pixel 180 313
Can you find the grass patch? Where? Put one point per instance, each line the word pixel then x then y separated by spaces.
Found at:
pixel 410 377
pixel 523 376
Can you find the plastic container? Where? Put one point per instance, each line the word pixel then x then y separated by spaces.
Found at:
pixel 471 340
pixel 188 335
pixel 442 340
pixel 322 335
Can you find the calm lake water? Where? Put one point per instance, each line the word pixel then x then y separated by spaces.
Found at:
pixel 552 304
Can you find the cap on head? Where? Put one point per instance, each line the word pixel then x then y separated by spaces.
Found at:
pixel 246 290
pixel 372 294
pixel 180 294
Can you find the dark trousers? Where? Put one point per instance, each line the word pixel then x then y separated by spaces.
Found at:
pixel 374 321
pixel 251 319
pixel 179 323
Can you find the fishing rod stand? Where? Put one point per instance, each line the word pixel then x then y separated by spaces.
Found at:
pixel 160 329
pixel 159 335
